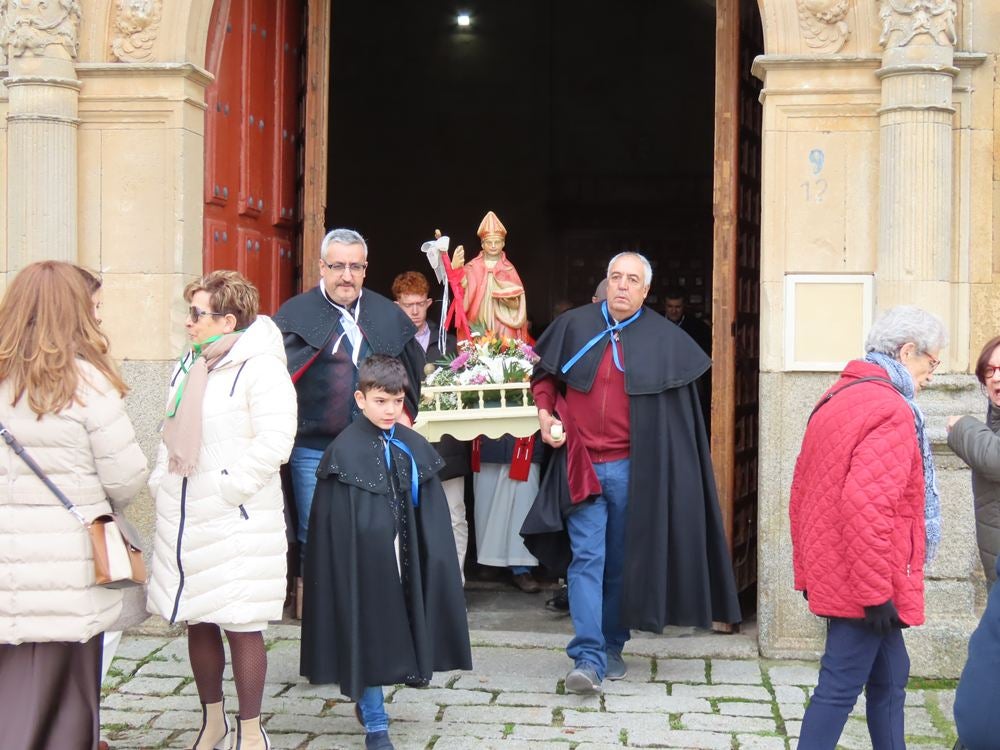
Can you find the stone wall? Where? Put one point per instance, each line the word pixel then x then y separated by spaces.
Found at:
pixel 880 145
pixel 145 404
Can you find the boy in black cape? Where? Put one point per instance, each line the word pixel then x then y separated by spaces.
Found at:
pixel 384 602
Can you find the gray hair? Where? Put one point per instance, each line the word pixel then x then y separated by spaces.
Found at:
pixel 641 257
pixel 906 324
pixel 601 292
pixel 342 237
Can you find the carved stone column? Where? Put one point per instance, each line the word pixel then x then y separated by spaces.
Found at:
pixel 915 211
pixel 40 39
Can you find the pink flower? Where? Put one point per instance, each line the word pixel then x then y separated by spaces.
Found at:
pixel 459 362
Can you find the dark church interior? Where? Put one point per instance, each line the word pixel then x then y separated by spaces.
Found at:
pixel 586 125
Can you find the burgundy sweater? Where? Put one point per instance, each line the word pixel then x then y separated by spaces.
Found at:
pixel 601 415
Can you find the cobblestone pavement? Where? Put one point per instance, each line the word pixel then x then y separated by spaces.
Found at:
pixel 688 690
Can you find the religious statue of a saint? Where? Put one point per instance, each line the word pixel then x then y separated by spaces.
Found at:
pixel 493 292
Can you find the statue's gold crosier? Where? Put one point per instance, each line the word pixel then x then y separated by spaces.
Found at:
pixel 494 294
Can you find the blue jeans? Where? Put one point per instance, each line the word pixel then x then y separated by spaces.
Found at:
pixel 597 538
pixel 856 657
pixel 303 464
pixel 372 705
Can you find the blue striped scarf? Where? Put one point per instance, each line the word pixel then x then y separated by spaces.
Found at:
pixel 903 381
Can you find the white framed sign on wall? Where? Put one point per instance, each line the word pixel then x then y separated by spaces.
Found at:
pixel 827 317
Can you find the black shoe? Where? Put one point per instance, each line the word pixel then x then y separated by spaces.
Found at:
pixel 559 602
pixel 378 741
pixel 527 583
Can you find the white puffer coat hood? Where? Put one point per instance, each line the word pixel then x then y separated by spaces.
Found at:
pixel 220 546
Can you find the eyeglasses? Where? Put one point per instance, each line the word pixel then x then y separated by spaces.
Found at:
pixel 989 371
pixel 356 268
pixel 195 314
pixel 933 362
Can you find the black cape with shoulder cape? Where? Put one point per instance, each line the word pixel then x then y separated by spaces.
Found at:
pixel 307 321
pixel 368 619
pixel 677 563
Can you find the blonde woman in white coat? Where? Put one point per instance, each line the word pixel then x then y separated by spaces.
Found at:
pixel 219 547
pixel 62 398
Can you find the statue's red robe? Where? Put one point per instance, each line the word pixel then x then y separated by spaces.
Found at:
pixel 494 297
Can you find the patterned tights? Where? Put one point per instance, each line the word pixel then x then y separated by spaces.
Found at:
pixel 208 660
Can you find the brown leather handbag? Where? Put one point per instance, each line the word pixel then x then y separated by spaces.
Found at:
pixel 117 555
pixel 116 543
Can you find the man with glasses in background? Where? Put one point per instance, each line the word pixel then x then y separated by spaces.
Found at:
pixel 328 331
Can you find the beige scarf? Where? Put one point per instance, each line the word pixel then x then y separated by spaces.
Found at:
pixel 182 429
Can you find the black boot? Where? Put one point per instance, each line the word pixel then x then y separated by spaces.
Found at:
pixel 378 741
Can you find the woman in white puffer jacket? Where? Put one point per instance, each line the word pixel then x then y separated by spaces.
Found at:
pixel 219 548
pixel 61 397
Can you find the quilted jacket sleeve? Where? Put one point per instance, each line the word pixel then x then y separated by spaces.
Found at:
pixel 977 445
pixel 795 517
pixel 881 468
pixel 273 409
pixel 162 457
pixel 120 462
pixel 159 470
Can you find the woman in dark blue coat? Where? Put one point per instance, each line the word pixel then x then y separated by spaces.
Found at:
pixel 976 717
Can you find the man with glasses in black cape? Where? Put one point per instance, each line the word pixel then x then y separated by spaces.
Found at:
pixel 328 331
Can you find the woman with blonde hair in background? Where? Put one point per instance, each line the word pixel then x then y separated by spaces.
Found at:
pixel 133 597
pixel 219 549
pixel 61 397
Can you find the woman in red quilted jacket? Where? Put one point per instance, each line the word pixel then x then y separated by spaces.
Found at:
pixel 865 515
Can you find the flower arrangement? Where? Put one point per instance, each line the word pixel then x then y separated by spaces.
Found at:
pixel 485 359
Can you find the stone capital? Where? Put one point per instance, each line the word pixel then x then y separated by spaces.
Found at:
pixel 41 28
pixel 137 22
pixel 932 21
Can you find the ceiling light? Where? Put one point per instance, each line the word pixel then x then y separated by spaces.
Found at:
pixel 464 20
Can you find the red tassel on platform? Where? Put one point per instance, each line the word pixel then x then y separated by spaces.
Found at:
pixel 520 464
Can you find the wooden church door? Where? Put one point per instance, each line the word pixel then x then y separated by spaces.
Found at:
pixel 736 283
pixel 253 143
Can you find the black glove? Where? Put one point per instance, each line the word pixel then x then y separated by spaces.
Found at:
pixel 882 618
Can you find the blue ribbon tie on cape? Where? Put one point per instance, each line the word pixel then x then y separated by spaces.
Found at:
pixel 611 330
pixel 390 439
